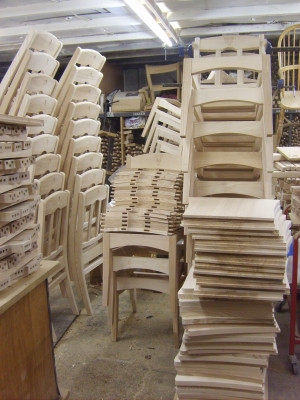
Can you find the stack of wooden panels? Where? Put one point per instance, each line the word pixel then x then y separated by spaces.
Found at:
pixel 239 249
pixel 19 200
pixel 226 346
pixel 162 130
pixel 227 122
pixel 145 200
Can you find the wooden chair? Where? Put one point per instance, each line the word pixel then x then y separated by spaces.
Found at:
pixel 162 69
pixel 127 272
pixel 88 238
pixel 228 127
pixel 81 164
pixel 46 164
pixel 76 129
pixel 43 144
pixel 48 127
pixel 50 183
pixel 289 70
pixel 83 181
pixel 42 42
pixel 85 144
pixel 76 94
pixel 32 84
pixel 36 104
pixel 53 219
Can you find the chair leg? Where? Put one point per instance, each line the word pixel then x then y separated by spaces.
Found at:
pixel 84 294
pixel 67 291
pixel 173 282
pixel 279 127
pixel 115 311
pixel 132 294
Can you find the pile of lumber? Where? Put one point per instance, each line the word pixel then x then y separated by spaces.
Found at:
pixel 145 200
pixel 131 148
pixel 19 198
pixel 239 249
pixel 162 129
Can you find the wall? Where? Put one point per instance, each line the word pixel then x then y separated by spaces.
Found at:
pixel 112 78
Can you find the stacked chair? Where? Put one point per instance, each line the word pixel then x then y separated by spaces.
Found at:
pixel 162 129
pixel 147 193
pixel 28 91
pixel 237 237
pixel 77 131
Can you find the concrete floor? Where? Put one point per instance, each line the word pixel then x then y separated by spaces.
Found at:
pixel 140 365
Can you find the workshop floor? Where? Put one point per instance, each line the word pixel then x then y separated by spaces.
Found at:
pixel 140 365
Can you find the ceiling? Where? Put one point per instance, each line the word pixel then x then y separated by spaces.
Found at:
pixel 112 28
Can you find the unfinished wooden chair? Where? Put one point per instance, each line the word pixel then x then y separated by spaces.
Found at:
pixel 81 164
pixel 153 70
pixel 165 119
pixel 43 144
pixel 76 129
pixel 37 104
pixel 48 127
pixel 50 183
pixel 32 84
pixel 83 181
pixel 228 127
pixel 85 144
pixel 42 42
pixel 45 164
pixel 76 94
pixel 84 58
pixel 289 71
pixel 79 75
pixel 53 219
pixel 88 238
pixel 129 273
pixel 76 111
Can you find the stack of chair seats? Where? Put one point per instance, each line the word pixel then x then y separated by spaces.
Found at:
pixel 145 200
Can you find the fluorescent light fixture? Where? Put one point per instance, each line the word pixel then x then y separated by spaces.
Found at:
pixel 163 7
pixel 175 24
pixel 141 11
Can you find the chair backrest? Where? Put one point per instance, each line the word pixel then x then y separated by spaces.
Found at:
pixel 43 144
pixel 155 160
pixel 152 70
pixel 53 219
pixel 91 204
pixel 236 44
pixel 48 127
pixel 288 60
pixel 37 104
pixel 46 164
pixel 83 92
pixel 50 183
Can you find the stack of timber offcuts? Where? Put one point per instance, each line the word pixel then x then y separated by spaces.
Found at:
pixel 239 249
pixel 145 200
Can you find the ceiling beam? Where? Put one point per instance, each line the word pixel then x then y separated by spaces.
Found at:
pixel 74 24
pixel 56 8
pixel 234 29
pixel 116 37
pixel 233 13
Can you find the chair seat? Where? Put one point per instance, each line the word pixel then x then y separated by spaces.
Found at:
pixel 291 102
